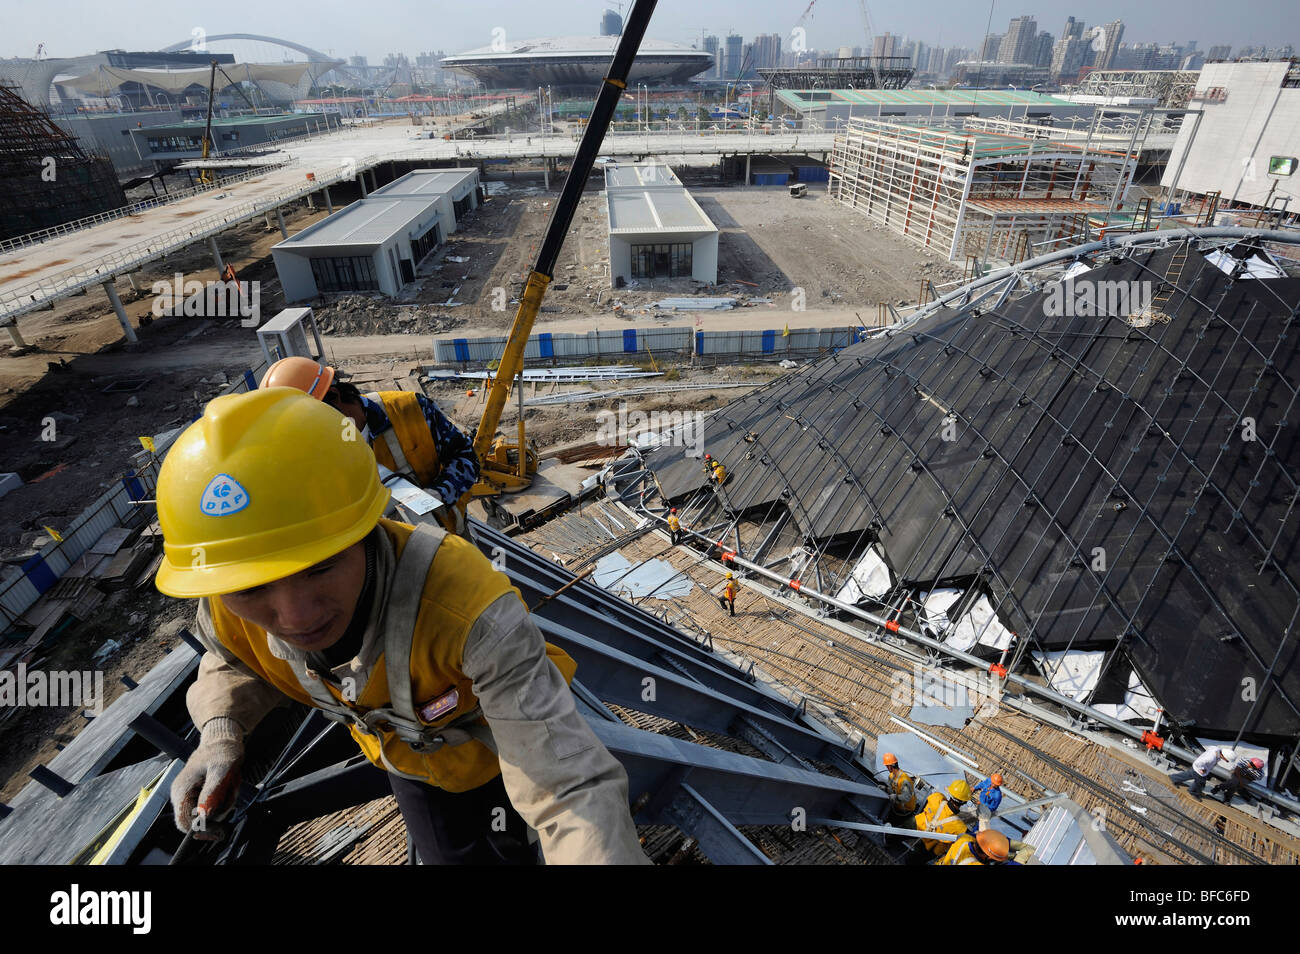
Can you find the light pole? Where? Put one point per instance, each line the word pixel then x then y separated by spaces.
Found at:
pixel 1025 118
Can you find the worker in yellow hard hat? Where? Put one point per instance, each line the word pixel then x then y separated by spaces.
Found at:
pixel 719 473
pixel 729 591
pixel 941 814
pixel 674 525
pixel 271 519
pixel 410 435
pixel 989 847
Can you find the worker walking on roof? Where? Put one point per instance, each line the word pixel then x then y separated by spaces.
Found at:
pixel 1201 768
pixel 408 433
pixel 986 848
pixel 941 814
pixel 729 591
pixel 902 793
pixel 1244 772
pixel 406 635
pixel 674 525
pixel 990 794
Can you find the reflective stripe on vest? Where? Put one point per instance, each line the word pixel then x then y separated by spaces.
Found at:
pixel 407 447
pixel 901 779
pixel 456 589
pixel 959 853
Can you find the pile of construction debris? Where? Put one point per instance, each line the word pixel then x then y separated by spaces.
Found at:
pixel 122 558
pixel 363 315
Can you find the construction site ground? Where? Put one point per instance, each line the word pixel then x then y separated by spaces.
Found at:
pixel 846 267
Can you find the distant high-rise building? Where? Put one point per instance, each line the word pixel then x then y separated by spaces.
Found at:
pixel 1222 51
pixel 1043 49
pixel 735 54
pixel 357 61
pixel 611 24
pixel 1105 42
pixel 1071 51
pixel 713 48
pixel 886 45
pixel 989 51
pixel 767 51
pixel 1018 45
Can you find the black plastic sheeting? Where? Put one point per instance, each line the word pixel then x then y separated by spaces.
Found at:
pixel 1071 434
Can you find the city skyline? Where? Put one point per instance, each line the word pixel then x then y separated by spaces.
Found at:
pixel 66 28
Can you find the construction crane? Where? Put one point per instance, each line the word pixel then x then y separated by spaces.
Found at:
pixel 208 176
pixel 506 466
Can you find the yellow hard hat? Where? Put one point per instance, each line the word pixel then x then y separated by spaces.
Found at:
pixel 994 844
pixel 960 790
pixel 728 575
pixel 301 373
pixel 264 485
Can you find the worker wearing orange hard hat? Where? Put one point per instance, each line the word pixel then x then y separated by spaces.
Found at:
pixel 986 848
pixel 990 793
pixel 902 792
pixel 409 434
pixel 407 635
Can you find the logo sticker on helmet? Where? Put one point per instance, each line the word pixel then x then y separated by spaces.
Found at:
pixel 223 496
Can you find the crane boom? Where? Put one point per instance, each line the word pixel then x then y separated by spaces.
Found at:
pixel 496 471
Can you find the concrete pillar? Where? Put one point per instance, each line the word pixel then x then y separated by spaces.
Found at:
pixel 747 158
pixel 361 181
pixel 267 217
pixel 311 206
pixel 119 310
pixel 329 205
pixel 279 217
pixel 14 336
pixel 546 174
pixel 130 278
pixel 374 179
pixel 216 254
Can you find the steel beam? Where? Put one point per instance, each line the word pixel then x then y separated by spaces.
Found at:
pixel 616 677
pixel 718 838
pixel 744 790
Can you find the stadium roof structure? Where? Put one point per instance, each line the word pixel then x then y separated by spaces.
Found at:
pixel 576 61
pixel 1117 478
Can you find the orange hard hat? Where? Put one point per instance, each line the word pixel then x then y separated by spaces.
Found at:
pixel 674 510
pixel 708 457
pixel 994 844
pixel 889 758
pixel 996 779
pixel 301 373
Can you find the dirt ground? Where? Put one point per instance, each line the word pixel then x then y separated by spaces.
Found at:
pixel 767 239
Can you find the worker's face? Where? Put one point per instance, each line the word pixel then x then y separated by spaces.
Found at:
pixel 352 409
pixel 311 609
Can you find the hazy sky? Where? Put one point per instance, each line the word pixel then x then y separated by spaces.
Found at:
pixel 347 27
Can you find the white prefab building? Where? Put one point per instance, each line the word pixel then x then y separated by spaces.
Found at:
pixel 656 230
pixel 1250 118
pixel 377 243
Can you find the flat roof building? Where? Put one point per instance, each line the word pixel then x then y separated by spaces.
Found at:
pixel 377 243
pixel 185 140
pixel 656 229
pixel 832 108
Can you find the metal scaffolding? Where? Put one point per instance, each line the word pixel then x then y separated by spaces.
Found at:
pixel 48 178
pixel 981 194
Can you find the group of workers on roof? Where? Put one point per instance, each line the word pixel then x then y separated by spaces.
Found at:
pixel 942 812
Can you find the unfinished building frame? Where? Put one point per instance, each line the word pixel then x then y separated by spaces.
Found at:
pixel 49 178
pixel 982 194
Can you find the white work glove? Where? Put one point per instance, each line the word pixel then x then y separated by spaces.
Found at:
pixel 209 780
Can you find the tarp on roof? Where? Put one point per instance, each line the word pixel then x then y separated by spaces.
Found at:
pixel 1074 436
